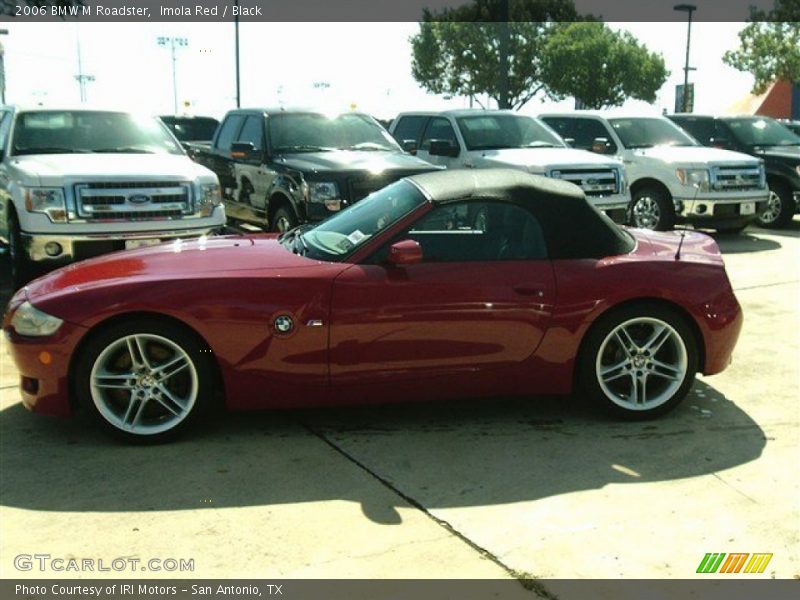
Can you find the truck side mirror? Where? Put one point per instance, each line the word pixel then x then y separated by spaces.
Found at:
pixel 719 142
pixel 601 145
pixel 409 146
pixel 407 252
pixel 443 148
pixel 245 151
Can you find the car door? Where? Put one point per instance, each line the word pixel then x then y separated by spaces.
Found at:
pixel 473 311
pixel 254 172
pixel 221 155
pixel 441 129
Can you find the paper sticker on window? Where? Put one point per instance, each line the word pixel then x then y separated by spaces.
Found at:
pixel 356 237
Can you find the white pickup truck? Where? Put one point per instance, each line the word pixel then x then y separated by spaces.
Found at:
pixel 672 177
pixel 78 183
pixel 482 139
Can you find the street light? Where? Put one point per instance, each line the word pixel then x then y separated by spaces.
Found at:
pixel 689 9
pixel 3 69
pixel 173 43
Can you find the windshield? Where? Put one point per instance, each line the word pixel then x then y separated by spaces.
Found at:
pixel 192 130
pixel 762 132
pixel 69 132
pixel 340 235
pixel 650 132
pixel 310 132
pixel 495 131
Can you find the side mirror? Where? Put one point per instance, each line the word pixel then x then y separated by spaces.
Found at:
pixel 407 252
pixel 570 142
pixel 443 148
pixel 409 146
pixel 244 151
pixel 719 142
pixel 601 145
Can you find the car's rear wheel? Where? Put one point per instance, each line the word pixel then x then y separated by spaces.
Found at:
pixel 283 220
pixel 145 380
pixel 651 208
pixel 639 361
pixel 780 207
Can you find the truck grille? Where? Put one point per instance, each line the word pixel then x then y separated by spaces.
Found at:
pixel 737 178
pixel 133 200
pixel 595 182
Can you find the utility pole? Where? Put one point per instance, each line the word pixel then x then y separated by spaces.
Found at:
pixel 504 44
pixel 689 9
pixel 238 85
pixel 173 43
pixel 3 69
pixel 81 77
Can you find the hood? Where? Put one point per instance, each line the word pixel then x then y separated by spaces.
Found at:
pixel 788 153
pixel 337 161
pixel 542 159
pixel 218 256
pixel 695 155
pixel 696 246
pixel 54 169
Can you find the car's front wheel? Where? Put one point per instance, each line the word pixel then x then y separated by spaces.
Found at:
pixel 652 208
pixel 639 361
pixel 144 380
pixel 780 207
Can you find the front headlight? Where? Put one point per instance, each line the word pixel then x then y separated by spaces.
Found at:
pixel 324 192
pixel 210 197
pixel 49 201
pixel 698 178
pixel 30 321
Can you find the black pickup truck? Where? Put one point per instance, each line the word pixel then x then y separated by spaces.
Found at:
pixel 283 167
pixel 762 137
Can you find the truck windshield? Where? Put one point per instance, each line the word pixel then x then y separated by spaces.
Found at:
pixel 340 235
pixel 310 132
pixel 762 132
pixel 71 132
pixel 192 129
pixel 649 132
pixel 496 131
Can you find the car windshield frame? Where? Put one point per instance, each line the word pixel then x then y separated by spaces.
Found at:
pixel 680 139
pixel 774 126
pixel 353 227
pixel 315 138
pixel 547 139
pixel 159 139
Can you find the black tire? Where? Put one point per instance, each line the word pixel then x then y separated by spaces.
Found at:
pixel 780 208
pixel 114 403
pixel 673 391
pixel 283 219
pixel 651 203
pixel 731 230
pixel 21 266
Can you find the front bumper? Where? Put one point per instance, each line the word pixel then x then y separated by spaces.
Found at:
pixel 711 212
pixel 81 246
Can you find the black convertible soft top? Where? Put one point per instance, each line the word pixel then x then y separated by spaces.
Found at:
pixel 572 227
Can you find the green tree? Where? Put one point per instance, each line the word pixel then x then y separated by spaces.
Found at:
pixel 769 47
pixel 599 66
pixel 457 50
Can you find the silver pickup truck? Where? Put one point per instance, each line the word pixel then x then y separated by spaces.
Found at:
pixel 77 183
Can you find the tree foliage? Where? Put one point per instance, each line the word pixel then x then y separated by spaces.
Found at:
pixel 769 47
pixel 599 66
pixel 457 50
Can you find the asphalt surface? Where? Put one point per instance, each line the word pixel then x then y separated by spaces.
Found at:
pixel 503 488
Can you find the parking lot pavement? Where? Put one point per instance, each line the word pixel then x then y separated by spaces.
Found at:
pixel 542 487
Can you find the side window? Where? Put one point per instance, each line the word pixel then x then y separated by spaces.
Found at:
pixel 253 132
pixel 228 132
pixel 587 131
pixel 563 127
pixel 478 231
pixel 700 129
pixel 409 128
pixel 438 128
pixel 5 127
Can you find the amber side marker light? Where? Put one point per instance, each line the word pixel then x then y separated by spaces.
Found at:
pixel 45 357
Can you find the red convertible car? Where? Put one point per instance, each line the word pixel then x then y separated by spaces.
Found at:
pixel 443 285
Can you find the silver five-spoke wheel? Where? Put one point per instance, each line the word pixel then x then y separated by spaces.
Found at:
pixel 144 384
pixel 641 363
pixel 773 210
pixel 646 213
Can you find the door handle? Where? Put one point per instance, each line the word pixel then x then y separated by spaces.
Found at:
pixel 525 290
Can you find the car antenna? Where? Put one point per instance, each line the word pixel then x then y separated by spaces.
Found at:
pixel 683 230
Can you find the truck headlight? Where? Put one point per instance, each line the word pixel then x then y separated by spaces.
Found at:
pixel 324 192
pixel 49 201
pixel 698 178
pixel 210 197
pixel 30 321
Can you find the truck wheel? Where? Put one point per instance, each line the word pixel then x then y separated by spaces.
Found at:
pixel 780 207
pixel 21 268
pixel 283 220
pixel 651 208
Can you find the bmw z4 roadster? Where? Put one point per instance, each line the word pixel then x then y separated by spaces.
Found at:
pixel 443 285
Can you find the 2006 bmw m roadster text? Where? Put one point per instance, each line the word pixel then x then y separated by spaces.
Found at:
pixel 441 285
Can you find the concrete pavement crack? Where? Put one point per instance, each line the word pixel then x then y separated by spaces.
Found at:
pixel 526 580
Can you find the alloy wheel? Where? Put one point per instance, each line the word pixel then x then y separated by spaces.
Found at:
pixel 641 364
pixel 773 210
pixel 646 213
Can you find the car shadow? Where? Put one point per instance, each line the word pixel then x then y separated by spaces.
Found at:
pixel 452 454
pixel 747 241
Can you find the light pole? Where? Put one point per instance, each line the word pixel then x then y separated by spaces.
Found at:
pixel 81 77
pixel 3 69
pixel 173 43
pixel 689 9
pixel 238 85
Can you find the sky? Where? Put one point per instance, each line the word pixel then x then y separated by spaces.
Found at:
pixel 332 66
